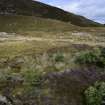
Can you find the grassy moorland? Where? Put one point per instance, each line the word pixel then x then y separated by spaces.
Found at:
pixel 31 32
pixel 35 52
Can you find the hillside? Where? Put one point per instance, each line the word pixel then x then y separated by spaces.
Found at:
pixel 17 23
pixel 49 56
pixel 34 8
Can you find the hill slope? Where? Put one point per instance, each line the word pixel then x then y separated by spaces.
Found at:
pixel 17 23
pixel 34 8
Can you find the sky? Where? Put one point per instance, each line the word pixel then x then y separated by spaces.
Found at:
pixel 92 9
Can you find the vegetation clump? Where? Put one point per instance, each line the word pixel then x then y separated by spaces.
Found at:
pixel 93 58
pixel 59 57
pixel 95 95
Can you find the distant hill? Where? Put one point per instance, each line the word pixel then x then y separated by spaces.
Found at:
pixel 34 8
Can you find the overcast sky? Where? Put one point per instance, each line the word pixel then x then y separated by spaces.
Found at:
pixel 93 9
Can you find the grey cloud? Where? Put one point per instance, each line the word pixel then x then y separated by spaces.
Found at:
pixel 92 9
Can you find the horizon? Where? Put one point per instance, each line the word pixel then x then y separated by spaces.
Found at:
pixel 81 7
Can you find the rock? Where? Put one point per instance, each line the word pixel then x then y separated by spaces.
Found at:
pixel 4 101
